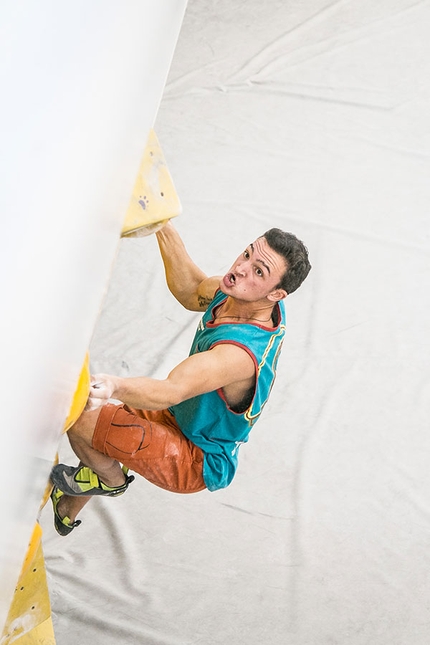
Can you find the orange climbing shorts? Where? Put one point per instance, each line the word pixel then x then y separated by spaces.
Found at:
pixel 150 443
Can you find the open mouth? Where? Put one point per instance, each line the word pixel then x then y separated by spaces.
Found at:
pixel 229 279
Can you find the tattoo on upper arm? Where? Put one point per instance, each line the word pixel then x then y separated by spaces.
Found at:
pixel 203 301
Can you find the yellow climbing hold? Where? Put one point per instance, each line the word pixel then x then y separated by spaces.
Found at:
pixel 154 200
pixel 29 620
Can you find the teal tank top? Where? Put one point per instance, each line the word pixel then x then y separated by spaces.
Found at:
pixel 207 420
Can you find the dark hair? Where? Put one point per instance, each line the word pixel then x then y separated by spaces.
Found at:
pixel 295 254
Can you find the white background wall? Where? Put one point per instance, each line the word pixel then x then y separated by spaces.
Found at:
pixel 81 85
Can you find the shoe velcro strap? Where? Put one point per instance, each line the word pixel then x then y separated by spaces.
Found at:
pixel 88 479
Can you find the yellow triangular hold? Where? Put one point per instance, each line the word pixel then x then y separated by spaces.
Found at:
pixel 29 620
pixel 154 200
pixel 80 396
pixel 79 401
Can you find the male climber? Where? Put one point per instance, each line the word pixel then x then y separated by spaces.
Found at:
pixel 183 433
